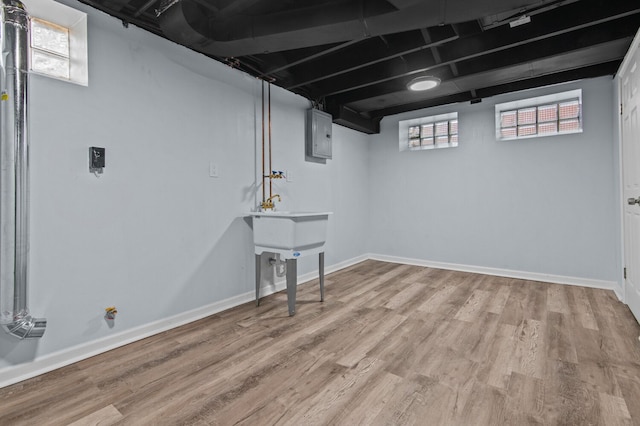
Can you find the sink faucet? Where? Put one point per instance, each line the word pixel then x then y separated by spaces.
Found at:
pixel 268 204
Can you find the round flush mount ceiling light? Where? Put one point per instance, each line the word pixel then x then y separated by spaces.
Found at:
pixel 423 83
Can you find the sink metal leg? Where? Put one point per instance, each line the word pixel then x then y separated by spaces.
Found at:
pixel 321 275
pixel 292 283
pixel 258 277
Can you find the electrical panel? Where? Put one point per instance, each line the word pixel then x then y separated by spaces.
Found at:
pixel 318 134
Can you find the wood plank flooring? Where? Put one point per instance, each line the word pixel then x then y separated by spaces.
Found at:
pixel 391 345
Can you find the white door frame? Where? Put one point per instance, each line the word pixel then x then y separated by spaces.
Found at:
pixel 621 291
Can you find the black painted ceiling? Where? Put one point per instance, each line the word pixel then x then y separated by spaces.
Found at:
pixel 354 58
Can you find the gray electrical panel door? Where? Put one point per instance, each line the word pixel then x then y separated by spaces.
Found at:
pixel 318 134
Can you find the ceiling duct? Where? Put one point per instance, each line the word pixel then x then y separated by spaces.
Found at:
pixel 187 22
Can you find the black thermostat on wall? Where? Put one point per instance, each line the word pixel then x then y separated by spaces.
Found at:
pixel 96 159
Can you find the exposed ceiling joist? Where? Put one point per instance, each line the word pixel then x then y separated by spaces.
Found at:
pixel 356 57
pixel 493 58
pixel 514 86
pixel 463 49
pixel 372 53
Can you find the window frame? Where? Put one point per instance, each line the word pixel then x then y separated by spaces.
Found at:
pixel 531 128
pixel 422 123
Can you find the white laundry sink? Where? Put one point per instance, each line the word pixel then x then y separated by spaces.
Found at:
pixel 290 234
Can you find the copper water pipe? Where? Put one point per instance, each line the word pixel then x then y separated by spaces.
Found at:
pixel 267 203
pixel 264 197
pixel 270 165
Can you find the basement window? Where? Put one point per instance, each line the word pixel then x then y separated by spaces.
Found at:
pixel 550 115
pixel 437 131
pixel 50 49
pixel 58 38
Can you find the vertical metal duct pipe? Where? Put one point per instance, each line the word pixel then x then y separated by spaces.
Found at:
pixel 14 174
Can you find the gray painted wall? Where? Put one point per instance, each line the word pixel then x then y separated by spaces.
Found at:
pixel 155 235
pixel 543 205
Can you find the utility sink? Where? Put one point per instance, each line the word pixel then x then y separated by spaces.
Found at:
pixel 290 234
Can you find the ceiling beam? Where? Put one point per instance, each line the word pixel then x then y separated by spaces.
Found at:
pixel 597 70
pixel 427 103
pixel 458 51
pixel 125 16
pixel 436 53
pixel 509 71
pixel 367 55
pixel 313 57
pixel 115 5
pixel 144 8
pixel 351 119
pixel 603 44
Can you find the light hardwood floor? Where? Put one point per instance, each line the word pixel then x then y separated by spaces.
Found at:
pixel 391 345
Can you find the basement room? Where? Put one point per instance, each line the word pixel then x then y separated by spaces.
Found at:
pixel 339 212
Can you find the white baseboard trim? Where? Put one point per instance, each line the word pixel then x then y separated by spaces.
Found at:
pixel 14 374
pixel 619 293
pixel 18 373
pixel 530 276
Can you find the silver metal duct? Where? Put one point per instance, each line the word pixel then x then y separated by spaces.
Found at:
pixel 14 174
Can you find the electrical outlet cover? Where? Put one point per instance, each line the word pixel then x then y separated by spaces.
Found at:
pixel 96 158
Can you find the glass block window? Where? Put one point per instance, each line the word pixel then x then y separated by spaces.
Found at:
pixel 508 119
pixel 439 131
pixel 414 136
pixel 58 41
pixel 50 53
pixel 526 116
pixel 543 116
pixel 427 135
pixel 547 113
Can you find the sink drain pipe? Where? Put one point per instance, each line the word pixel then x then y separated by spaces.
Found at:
pixel 14 174
pixel 279 265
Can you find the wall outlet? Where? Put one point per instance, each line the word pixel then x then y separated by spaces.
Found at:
pixel 289 175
